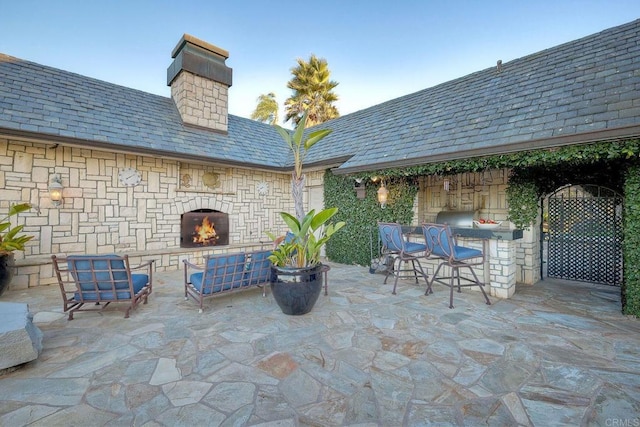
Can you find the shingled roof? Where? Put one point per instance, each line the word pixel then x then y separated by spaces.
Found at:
pixel 583 91
pixel 47 103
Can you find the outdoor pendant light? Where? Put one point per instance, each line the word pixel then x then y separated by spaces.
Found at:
pixel 382 195
pixel 55 190
pixel 360 189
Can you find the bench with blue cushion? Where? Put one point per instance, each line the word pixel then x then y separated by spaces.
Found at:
pixel 101 280
pixel 224 273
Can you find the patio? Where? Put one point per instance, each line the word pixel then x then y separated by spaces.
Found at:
pixel 556 353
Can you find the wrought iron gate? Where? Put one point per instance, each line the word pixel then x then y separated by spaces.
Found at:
pixel 585 234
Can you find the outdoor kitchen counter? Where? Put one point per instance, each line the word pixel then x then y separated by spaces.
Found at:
pixel 472 232
pixel 499 246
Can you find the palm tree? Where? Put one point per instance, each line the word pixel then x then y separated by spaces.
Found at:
pixel 267 109
pixel 312 92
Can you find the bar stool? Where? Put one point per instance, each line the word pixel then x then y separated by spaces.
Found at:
pixel 441 244
pixel 394 245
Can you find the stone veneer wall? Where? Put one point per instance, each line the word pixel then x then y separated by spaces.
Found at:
pixel 201 101
pixel 484 192
pixel 100 215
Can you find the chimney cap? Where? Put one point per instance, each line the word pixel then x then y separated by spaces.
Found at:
pixel 187 38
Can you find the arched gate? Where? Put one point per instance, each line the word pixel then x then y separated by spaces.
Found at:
pixel 584 232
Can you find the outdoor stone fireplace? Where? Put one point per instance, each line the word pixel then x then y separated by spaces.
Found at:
pixel 204 227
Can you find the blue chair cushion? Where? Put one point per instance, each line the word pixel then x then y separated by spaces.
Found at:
pixel 462 253
pixel 106 268
pixel 391 237
pixel 258 268
pixel 437 251
pixel 411 247
pixel 139 282
pixel 222 273
pixel 459 253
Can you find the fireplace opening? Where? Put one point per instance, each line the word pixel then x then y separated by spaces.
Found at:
pixel 204 227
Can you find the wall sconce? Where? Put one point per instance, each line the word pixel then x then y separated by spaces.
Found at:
pixel 382 195
pixel 361 192
pixel 55 189
pixel 446 184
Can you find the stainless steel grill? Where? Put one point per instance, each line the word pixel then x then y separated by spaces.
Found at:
pixel 461 223
pixel 456 219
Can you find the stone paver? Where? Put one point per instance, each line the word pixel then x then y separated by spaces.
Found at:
pixel 557 353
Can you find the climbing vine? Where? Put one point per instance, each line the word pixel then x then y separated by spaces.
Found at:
pixel 631 242
pixel 357 242
pixel 549 157
pixel 535 172
pixel 523 199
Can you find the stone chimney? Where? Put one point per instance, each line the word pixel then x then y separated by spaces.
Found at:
pixel 200 81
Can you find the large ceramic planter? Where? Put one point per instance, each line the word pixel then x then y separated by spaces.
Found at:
pixel 296 290
pixel 6 271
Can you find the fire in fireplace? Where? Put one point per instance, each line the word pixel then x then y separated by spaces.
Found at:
pixel 204 227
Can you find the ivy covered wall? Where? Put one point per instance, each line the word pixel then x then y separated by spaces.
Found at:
pixel 631 244
pixel 355 243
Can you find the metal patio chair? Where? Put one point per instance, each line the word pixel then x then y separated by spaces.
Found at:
pixel 441 244
pixel 402 252
pixel 99 280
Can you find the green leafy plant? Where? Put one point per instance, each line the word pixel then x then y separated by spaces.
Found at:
pixel 522 197
pixel 306 239
pixel 300 145
pixel 358 242
pixel 549 157
pixel 309 232
pixel 631 243
pixel 10 240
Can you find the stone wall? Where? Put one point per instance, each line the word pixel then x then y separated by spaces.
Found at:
pixel 200 101
pixel 101 215
pixel 484 192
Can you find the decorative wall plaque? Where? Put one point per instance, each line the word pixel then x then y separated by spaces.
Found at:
pixel 211 180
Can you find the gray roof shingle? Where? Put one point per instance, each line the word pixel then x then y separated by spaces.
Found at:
pixel 581 91
pixel 575 90
pixel 57 103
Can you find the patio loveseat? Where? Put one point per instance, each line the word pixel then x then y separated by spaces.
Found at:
pixel 225 273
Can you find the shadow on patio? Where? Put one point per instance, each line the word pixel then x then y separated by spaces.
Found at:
pixel 557 353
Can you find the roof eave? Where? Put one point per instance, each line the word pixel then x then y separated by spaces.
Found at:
pixel 534 144
pixel 101 145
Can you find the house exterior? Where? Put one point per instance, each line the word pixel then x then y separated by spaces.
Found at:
pixel 190 154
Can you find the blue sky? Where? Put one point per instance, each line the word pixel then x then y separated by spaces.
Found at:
pixel 376 50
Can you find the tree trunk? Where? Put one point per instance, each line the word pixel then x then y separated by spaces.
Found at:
pixel 297 191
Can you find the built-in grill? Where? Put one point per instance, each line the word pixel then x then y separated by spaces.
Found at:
pixel 456 219
pixel 461 223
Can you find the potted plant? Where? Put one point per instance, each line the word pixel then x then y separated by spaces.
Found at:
pixel 296 279
pixel 10 241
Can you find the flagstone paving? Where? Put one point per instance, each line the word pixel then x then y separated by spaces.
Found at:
pixel 557 353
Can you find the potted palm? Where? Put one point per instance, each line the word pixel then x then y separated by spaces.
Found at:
pixel 10 241
pixel 296 279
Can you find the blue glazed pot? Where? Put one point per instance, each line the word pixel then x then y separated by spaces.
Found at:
pixel 6 271
pixel 296 290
